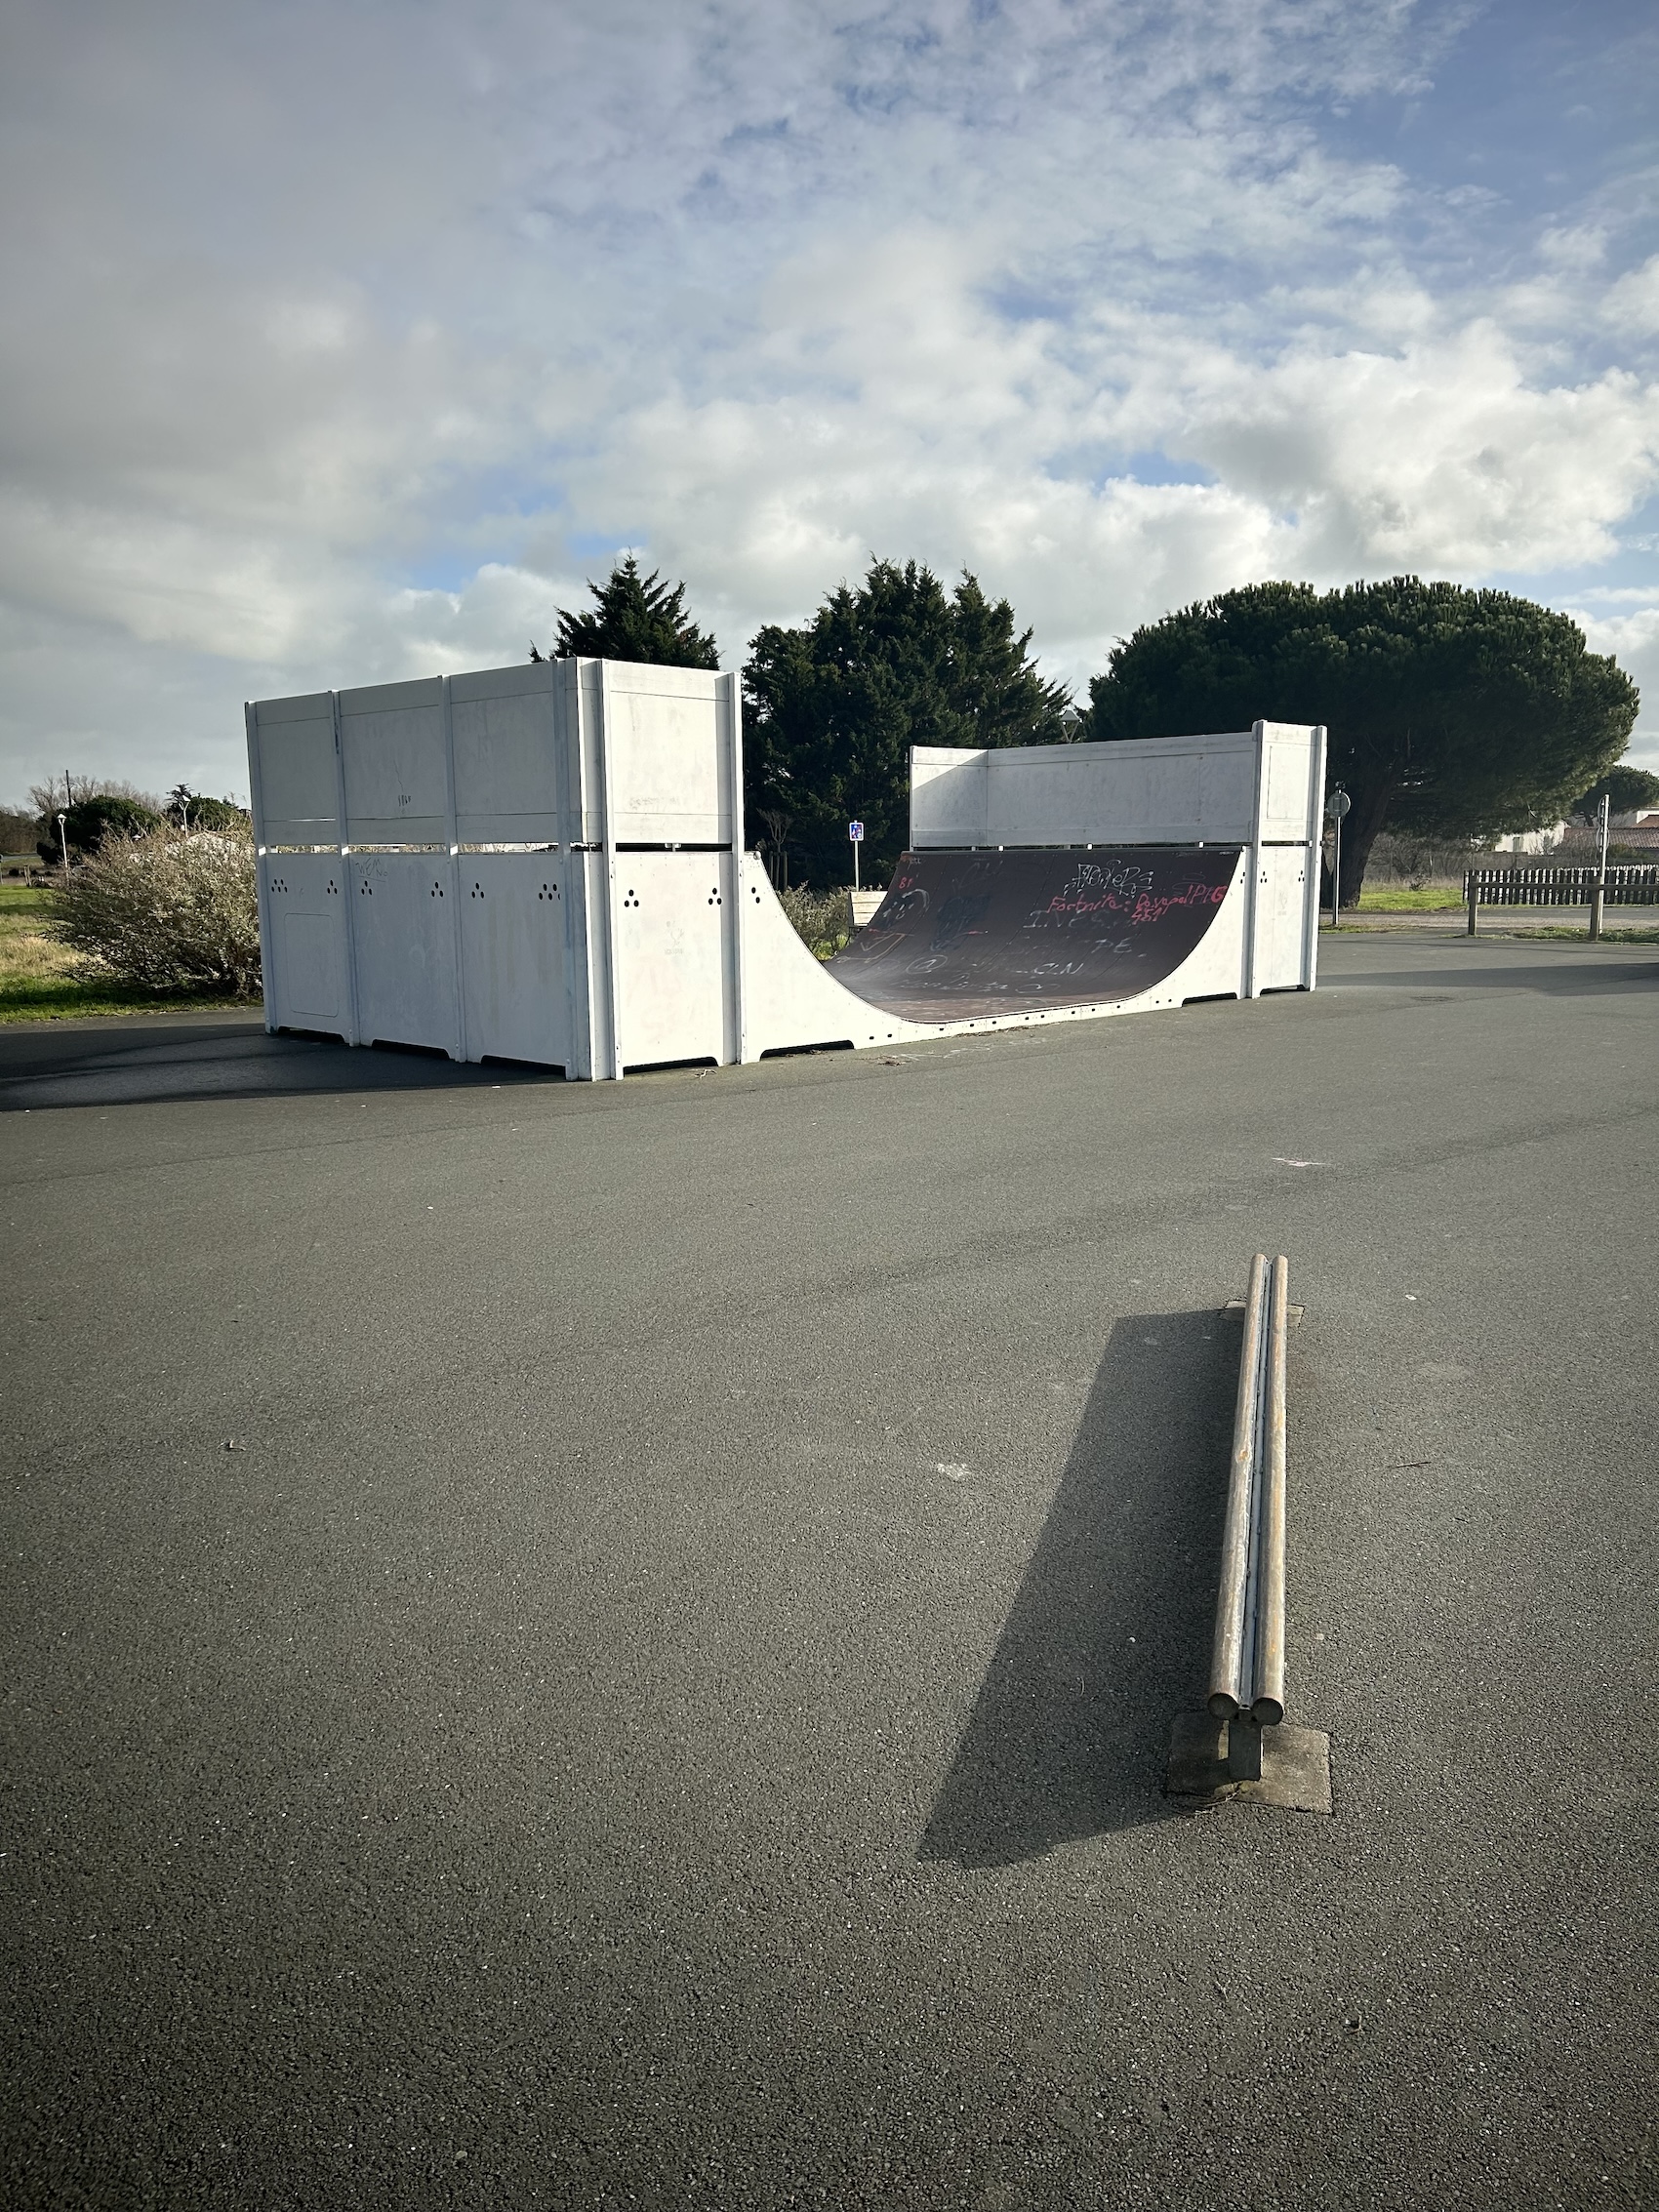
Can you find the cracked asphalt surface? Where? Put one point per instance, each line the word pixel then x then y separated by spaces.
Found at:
pixel 615 1645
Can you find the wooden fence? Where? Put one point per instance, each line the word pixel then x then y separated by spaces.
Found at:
pixel 1560 886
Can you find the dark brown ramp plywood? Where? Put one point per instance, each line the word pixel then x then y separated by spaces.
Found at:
pixel 962 936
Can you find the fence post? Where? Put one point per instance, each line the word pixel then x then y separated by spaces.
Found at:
pixel 1472 884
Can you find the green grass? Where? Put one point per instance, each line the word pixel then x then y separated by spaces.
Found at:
pixel 1578 936
pixel 1403 898
pixel 40 980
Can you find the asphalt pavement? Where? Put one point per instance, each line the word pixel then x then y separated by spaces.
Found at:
pixel 614 1645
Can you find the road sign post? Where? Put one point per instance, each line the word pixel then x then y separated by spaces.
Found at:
pixel 1598 894
pixel 1336 806
pixel 855 831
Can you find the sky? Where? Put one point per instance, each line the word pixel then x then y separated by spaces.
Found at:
pixel 346 342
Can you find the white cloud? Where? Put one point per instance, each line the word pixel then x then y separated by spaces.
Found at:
pixel 1633 639
pixel 1633 302
pixel 316 311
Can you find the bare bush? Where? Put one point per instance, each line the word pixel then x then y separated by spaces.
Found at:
pixel 169 912
pixel 48 800
pixel 1400 857
pixel 824 919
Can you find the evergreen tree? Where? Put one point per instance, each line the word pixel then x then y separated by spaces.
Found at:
pixel 1631 789
pixel 194 809
pixel 635 618
pixel 834 707
pixel 1449 711
pixel 90 821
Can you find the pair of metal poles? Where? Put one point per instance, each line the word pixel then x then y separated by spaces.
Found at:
pixel 1247 1667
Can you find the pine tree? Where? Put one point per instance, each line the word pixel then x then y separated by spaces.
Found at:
pixel 1451 712
pixel 635 618
pixel 834 707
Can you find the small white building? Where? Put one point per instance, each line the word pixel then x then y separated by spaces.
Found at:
pixel 1531 840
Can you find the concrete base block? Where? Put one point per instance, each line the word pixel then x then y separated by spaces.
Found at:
pixel 1296 1767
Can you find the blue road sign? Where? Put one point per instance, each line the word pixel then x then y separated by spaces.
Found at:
pixel 855 830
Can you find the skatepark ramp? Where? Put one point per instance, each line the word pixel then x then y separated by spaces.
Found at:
pixel 547 864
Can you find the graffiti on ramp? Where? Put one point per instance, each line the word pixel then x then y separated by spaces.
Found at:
pixel 963 936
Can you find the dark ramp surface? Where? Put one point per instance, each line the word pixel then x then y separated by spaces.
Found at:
pixel 963 936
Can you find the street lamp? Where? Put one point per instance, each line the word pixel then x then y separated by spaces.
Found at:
pixel 64 839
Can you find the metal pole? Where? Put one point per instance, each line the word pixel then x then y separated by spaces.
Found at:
pixel 1598 889
pixel 1227 1692
pixel 1336 871
pixel 1268 1702
pixel 63 835
pixel 855 863
pixel 1472 884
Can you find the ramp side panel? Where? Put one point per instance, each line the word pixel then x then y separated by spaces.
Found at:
pixel 668 783
pixel 968 936
pixel 505 736
pixel 403 925
pixel 295 773
pixel 392 743
pixel 1280 906
pixel 513 957
pixel 669 912
pixel 306 952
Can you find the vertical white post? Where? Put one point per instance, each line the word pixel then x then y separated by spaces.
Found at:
pixel 353 1023
pixel 728 707
pixel 452 838
pixel 1310 885
pixel 565 694
pixel 257 803
pixel 608 861
pixel 1253 854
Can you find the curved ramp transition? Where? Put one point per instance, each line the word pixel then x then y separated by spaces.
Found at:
pixel 968 936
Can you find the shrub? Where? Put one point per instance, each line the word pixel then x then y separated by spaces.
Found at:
pixel 823 918
pixel 168 911
pixel 1400 856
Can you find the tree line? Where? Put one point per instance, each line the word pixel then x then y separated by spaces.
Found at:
pixel 88 809
pixel 1451 712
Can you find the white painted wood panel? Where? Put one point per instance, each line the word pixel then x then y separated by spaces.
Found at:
pixel 392 739
pixel 505 730
pixel 306 976
pixel 513 931
pixel 404 931
pixel 669 914
pixel 295 773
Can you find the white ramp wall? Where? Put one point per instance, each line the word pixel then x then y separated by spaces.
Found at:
pixel 1238 787
pixel 532 863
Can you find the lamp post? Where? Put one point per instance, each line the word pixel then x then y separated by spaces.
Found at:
pixel 64 840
